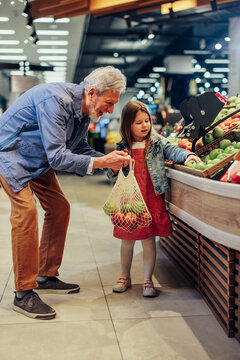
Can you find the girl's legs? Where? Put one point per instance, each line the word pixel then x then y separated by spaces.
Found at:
pixel 124 282
pixel 149 259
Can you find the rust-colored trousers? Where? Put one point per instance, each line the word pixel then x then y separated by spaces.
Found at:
pixel 30 259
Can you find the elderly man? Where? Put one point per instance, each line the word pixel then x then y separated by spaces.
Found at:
pixel 46 130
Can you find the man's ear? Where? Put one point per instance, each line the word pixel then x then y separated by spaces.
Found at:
pixel 92 93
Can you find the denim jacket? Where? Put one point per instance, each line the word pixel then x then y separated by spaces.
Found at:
pixel 43 129
pixel 159 150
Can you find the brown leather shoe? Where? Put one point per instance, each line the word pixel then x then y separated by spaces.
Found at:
pixel 32 306
pixel 55 286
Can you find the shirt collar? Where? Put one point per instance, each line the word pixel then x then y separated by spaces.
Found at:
pixel 77 100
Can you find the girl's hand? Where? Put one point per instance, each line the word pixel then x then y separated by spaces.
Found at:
pixel 192 157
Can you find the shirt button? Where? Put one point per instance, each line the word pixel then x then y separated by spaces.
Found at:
pixel 147 157
pixel 157 192
pixel 154 181
pixel 150 169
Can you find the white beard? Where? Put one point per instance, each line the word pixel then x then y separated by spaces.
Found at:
pixel 92 114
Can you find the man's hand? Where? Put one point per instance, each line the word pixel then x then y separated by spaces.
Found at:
pixel 192 157
pixel 114 160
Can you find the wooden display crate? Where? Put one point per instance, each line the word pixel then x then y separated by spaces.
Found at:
pixel 204 150
pixel 213 269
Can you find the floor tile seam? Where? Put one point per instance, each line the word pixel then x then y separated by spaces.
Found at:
pixel 163 317
pixel 5 287
pixel 41 322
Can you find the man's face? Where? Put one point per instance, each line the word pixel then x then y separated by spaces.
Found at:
pixel 104 103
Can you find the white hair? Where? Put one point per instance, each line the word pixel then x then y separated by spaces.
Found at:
pixel 105 78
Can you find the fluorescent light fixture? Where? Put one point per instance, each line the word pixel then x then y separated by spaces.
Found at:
pixel 7 32
pixel 220 69
pixel 13 57
pixel 51 20
pixel 4 19
pixel 11 51
pixel 199 70
pixel 197 52
pixel 145 80
pixel 52 51
pixel 215 76
pixel 217 61
pixel 60 68
pixel 58 63
pixel 9 42
pixel 154 75
pixel 159 69
pixel 141 85
pixel 52 58
pixel 53 32
pixel 53 42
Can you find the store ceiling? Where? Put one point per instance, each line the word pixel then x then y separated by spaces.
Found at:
pixel 119 39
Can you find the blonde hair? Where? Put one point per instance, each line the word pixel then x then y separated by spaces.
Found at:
pixel 105 78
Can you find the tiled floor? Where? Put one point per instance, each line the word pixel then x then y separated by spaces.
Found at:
pixel 97 324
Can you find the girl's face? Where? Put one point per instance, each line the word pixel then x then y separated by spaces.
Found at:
pixel 141 126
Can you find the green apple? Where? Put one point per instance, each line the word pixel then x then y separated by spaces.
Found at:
pixel 214 153
pixel 222 156
pixel 207 139
pixel 238 145
pixel 191 164
pixel 138 207
pixel 110 208
pixel 200 166
pixel 230 149
pixel 224 143
pixel 206 159
pixel 218 132
pixel 125 208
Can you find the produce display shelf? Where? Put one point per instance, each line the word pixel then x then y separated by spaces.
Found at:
pixel 211 268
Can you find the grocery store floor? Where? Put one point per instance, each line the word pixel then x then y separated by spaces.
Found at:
pixel 96 323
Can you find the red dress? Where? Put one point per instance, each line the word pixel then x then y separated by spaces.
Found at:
pixel 161 225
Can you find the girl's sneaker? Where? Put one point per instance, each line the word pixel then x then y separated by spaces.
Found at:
pixel 122 284
pixel 148 289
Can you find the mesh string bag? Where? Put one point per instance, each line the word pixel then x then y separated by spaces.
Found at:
pixel 125 204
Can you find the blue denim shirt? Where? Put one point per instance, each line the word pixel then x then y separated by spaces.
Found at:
pixel 159 150
pixel 43 129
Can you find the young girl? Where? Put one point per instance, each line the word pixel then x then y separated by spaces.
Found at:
pixel 149 150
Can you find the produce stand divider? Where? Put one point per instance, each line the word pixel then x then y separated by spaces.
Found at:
pixel 214 270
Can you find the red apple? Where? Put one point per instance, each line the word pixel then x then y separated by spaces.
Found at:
pixel 235 179
pixel 145 219
pixel 130 221
pixel 118 219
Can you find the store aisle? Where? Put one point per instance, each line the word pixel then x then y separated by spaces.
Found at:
pixel 96 323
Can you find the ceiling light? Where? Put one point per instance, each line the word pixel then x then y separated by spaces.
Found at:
pixel 4 19
pixel 29 22
pixel 9 42
pixel 13 57
pixel 218 46
pixel 154 75
pixel 145 80
pixel 53 32
pixel 199 70
pixel 153 89
pixel 201 89
pixel 57 63
pixel 52 51
pixel 197 52
pixel 62 21
pixel 159 69
pixel 224 93
pixel 198 80
pixel 207 74
pixel 53 42
pixel 157 84
pixel 150 99
pixel 52 58
pixel 116 54
pixel 207 85
pixel 11 51
pixel 150 33
pixel 225 80
pixel 26 10
pixel 197 67
pixel 7 32
pixel 60 68
pixel 127 17
pixel 216 89
pixel 220 69
pixel 217 61
pixel 227 38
